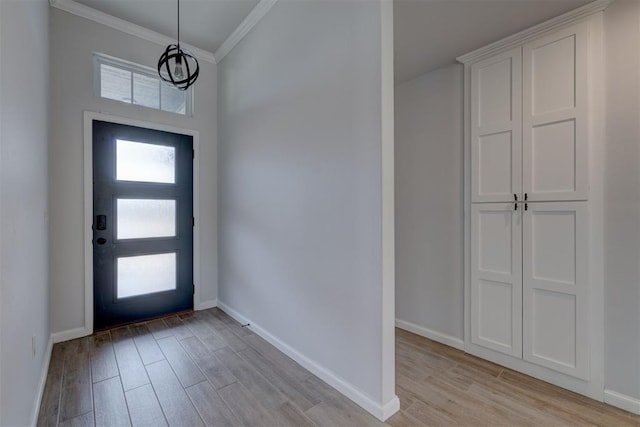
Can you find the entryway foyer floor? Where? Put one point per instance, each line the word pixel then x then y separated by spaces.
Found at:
pixel 203 368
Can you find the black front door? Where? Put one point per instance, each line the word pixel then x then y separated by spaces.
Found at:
pixel 142 223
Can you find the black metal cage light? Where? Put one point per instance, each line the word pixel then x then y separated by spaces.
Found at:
pixel 178 66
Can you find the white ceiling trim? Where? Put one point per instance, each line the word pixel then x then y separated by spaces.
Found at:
pixel 92 14
pixel 256 14
pixel 518 38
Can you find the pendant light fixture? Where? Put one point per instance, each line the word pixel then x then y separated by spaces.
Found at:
pixel 178 66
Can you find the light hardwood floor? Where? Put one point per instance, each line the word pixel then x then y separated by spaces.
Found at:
pixel 203 368
pixel 439 385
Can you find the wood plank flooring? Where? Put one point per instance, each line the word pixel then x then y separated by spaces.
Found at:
pixel 203 369
pixel 195 369
pixel 439 385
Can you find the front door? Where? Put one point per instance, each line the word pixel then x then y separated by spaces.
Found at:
pixel 142 223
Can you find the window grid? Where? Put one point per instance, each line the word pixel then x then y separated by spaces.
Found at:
pixel 168 98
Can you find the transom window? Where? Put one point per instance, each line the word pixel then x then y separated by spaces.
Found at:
pixel 138 85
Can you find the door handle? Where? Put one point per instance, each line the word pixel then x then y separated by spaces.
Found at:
pixel 101 222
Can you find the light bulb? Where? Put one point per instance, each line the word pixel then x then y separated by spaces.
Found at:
pixel 177 71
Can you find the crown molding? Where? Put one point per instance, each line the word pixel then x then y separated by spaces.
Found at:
pixel 525 35
pixel 256 14
pixel 92 14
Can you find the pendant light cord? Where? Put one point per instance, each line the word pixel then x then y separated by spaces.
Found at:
pixel 176 66
pixel 178 24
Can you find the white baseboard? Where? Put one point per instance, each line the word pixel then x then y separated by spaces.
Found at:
pixel 380 411
pixel 206 304
pixel 43 381
pixel 70 334
pixel 445 339
pixel 390 408
pixel 622 401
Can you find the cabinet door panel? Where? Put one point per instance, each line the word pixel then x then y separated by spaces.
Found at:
pixel 555 286
pixel 496 277
pixel 554 114
pixel 496 127
pixel 553 148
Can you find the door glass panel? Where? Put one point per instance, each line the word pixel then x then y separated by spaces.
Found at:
pixel 137 161
pixel 146 274
pixel 145 218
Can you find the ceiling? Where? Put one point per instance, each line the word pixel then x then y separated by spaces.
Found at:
pixel 430 34
pixel 204 23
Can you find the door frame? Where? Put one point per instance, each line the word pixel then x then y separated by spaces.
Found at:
pixel 89 117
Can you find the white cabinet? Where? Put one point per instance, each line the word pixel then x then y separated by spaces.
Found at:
pixel 554 115
pixel 528 111
pixel 555 286
pixel 529 121
pixel 529 282
pixel 496 127
pixel 496 277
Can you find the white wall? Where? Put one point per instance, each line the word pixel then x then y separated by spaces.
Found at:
pixel 622 198
pixel 24 285
pixel 429 205
pixel 73 41
pixel 300 173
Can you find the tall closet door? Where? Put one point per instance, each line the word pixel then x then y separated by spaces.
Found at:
pixel 554 113
pixel 555 286
pixel 496 277
pixel 496 127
